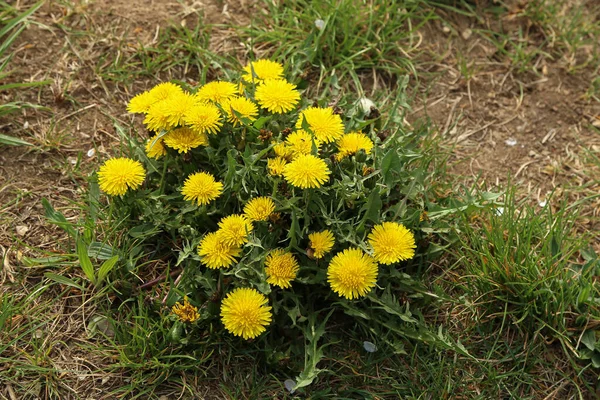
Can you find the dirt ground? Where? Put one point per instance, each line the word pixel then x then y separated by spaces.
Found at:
pixel 534 129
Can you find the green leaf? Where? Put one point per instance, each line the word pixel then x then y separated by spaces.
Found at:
pixel 391 163
pixel 373 207
pixel 589 339
pixel 84 261
pixel 63 280
pixel 260 122
pixel 13 141
pixel 58 218
pixel 106 267
pixel 101 251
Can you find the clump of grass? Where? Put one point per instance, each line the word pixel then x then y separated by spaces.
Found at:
pixel 530 266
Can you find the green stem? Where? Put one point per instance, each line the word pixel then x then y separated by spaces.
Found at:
pixel 162 177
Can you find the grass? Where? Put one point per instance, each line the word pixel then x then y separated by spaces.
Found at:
pixel 519 291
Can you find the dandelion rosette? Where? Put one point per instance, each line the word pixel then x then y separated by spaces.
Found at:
pixel 326 126
pixel 281 268
pixel 352 273
pixel 184 139
pixel 259 209
pixel 201 188
pixel 306 171
pixel 215 254
pixel 321 243
pixel 245 313
pixel 234 229
pixel 117 175
pixel 185 311
pixel 391 242
pixel 277 95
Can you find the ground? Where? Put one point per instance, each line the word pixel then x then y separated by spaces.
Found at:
pixel 524 111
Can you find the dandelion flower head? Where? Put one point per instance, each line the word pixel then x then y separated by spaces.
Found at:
pixel 242 106
pixel 263 69
pixel 234 229
pixel 140 104
pixel 185 311
pixel 281 268
pixel 306 171
pixel 300 142
pixel 321 242
pixel 276 166
pixel 352 273
pixel 259 208
pixel 281 149
pixel 326 125
pixel 203 118
pixel 184 139
pixel 351 143
pixel 157 150
pixel 117 175
pixel 277 95
pixel 392 242
pixel 245 313
pixel 201 188
pixel 176 106
pixel 216 91
pixel 214 253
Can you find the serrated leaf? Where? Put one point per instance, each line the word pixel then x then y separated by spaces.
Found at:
pixel 84 261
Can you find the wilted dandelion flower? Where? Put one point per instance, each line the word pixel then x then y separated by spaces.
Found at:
pixel 157 150
pixel 245 313
pixel 140 104
pixel 184 139
pixel 201 188
pixel 352 273
pixel 214 253
pixel 353 142
pixel 263 69
pixel 117 175
pixel 281 268
pixel 241 105
pixel 321 242
pixel 203 118
pixel 306 171
pixel 277 95
pixel 326 125
pixel 300 142
pixel 185 311
pixel 176 106
pixel 234 229
pixel 259 209
pixel 276 166
pixel 216 91
pixel 391 243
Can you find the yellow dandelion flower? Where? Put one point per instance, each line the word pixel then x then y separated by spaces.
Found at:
pixel 263 69
pixel 185 311
pixel 176 106
pixel 277 95
pixel 214 253
pixel 392 242
pixel 259 209
pixel 202 188
pixel 281 268
pixel 306 171
pixel 326 125
pixel 203 118
pixel 234 229
pixel 300 142
pixel 282 150
pixel 245 313
pixel 352 273
pixel 140 104
pixel 157 150
pixel 241 105
pixel 164 90
pixel 351 143
pixel 158 117
pixel 321 242
pixel 117 175
pixel 184 139
pixel 216 91
pixel 276 166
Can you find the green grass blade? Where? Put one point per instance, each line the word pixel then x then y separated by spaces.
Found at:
pixel 13 141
